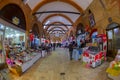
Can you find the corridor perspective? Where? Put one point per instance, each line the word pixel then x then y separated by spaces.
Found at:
pixel 58 66
pixel 59 39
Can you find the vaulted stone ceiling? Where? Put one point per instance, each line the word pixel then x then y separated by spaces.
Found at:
pixel 64 13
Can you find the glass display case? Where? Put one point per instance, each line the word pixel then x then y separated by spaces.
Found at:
pixel 93 56
pixel 19 62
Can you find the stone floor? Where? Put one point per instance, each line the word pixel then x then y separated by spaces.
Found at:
pixel 57 66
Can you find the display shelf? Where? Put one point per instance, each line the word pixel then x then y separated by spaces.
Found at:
pixel 114 77
pixel 24 60
pixel 93 57
pixel 29 63
pixel 113 70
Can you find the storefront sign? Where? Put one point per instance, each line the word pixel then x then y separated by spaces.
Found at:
pixel 16 20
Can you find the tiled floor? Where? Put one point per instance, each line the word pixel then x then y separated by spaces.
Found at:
pixel 58 67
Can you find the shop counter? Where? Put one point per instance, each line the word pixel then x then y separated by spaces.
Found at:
pixel 19 68
pixel 29 63
pixel 93 57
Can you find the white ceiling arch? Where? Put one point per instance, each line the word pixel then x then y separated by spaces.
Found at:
pixel 58 19
pixel 53 15
pixel 56 29
pixel 64 28
pixel 81 3
pixel 58 5
pixel 56 24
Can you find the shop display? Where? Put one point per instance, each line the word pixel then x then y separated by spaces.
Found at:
pixel 114 68
pixel 102 42
pixel 22 60
pixel 93 56
pixel 96 52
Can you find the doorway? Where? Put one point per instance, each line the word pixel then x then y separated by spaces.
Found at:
pixel 113 39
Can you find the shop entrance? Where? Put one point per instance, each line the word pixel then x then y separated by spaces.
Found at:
pixel 113 39
pixel 34 37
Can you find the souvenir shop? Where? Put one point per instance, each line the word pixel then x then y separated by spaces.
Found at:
pixel 12 30
pixel 17 56
pixel 80 38
pixel 13 39
pixel 95 54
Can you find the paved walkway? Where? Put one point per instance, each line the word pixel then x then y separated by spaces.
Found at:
pixel 58 67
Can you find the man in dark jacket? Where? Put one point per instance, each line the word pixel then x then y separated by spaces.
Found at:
pixel 70 50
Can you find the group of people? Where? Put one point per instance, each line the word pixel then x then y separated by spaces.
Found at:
pixel 73 45
pixel 49 46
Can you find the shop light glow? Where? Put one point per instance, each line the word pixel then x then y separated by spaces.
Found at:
pixel 11 35
pixel 8 36
pixel 7 28
pixel 11 29
pixel 17 35
pixel 116 30
pixel 2 27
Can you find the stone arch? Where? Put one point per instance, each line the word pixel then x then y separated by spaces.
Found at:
pixel 56 23
pixel 40 4
pixel 112 25
pixel 54 31
pixel 56 27
pixel 11 11
pixel 62 15
pixel 35 29
pixel 80 27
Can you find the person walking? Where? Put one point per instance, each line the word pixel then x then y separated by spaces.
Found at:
pixel 54 45
pixel 70 50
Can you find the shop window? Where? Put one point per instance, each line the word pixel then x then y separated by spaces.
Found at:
pixel 2 27
pixel 113 42
pixel 110 34
pixel 14 37
pixel 117 37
